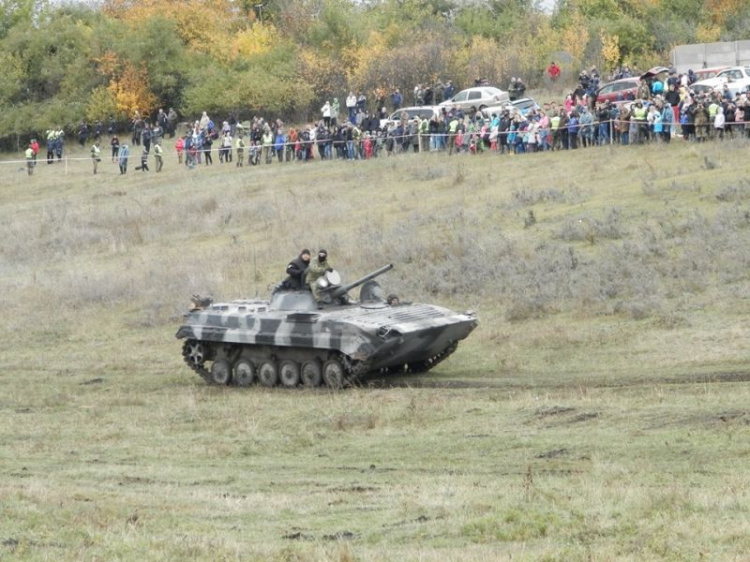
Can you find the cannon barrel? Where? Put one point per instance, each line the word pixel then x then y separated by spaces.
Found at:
pixel 343 289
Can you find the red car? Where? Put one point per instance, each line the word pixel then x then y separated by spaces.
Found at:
pixel 618 91
pixel 627 88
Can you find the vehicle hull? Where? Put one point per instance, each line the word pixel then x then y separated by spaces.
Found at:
pixel 372 336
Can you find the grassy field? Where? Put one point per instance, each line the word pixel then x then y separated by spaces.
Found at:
pixel 599 412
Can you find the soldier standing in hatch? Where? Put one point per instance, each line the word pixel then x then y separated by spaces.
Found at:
pixel 296 271
pixel 318 268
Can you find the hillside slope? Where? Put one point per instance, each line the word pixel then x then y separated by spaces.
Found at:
pixel 599 409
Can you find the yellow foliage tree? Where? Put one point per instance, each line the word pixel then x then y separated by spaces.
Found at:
pixel 720 11
pixel 107 64
pixel 574 37
pixel 323 73
pixel 131 91
pixel 204 25
pixel 484 58
pixel 101 105
pixel 610 49
pixel 255 40
pixel 380 65
pixel 708 33
pixel 363 57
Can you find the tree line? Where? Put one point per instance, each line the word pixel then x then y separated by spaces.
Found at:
pixel 67 62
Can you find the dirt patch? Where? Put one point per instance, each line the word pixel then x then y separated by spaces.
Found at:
pixel 135 480
pixel 371 468
pixel 340 536
pixel 553 454
pixel 228 496
pixel 298 536
pixel 554 411
pixel 584 417
pixel 737 376
pixel 723 420
pixel 734 417
pixel 354 489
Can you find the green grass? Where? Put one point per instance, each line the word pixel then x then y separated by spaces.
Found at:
pixel 599 412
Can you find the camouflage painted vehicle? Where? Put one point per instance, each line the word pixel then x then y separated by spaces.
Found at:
pixel 292 339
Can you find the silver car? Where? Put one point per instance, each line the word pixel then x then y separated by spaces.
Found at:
pixel 411 113
pixel 479 97
pixel 523 106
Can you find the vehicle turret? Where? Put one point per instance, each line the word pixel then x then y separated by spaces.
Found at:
pixel 335 292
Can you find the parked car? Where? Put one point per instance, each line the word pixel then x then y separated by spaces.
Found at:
pixel 524 105
pixel 737 79
pixel 479 97
pixel 618 90
pixel 422 111
pixel 706 73
pixel 627 88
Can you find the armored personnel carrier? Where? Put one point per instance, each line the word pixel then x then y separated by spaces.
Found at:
pixel 292 339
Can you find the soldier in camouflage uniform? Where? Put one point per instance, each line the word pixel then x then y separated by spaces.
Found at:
pixel 318 268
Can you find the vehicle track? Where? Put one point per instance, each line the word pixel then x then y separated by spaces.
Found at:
pixel 399 381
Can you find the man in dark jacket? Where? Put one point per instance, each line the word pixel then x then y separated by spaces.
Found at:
pixel 295 271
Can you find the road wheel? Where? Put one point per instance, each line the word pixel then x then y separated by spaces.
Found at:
pixel 221 374
pixel 194 352
pixel 312 374
pixel 244 373
pixel 268 374
pixel 289 373
pixel 333 373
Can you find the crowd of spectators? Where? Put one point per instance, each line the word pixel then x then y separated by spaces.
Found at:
pixel 663 107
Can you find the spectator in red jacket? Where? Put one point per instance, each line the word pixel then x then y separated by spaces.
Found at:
pixel 553 71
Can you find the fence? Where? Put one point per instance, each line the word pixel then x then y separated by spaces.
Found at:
pixel 707 55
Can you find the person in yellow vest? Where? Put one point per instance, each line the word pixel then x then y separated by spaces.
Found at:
pixel 639 114
pixel 51 141
pixel 240 146
pixel 96 155
pixel 554 125
pixel 158 156
pixel 30 160
pixel 267 140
